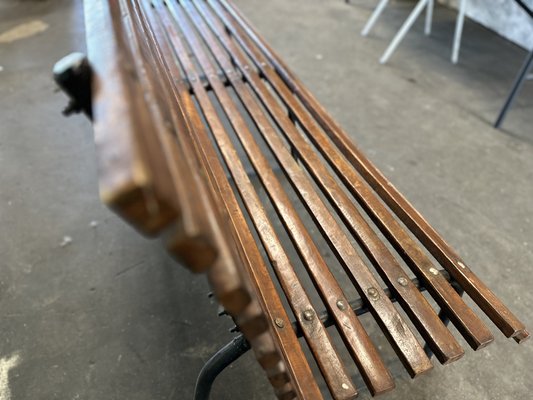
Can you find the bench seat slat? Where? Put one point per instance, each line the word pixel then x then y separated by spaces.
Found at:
pixel 416 306
pixel 502 317
pixel 474 330
pixel 331 366
pixel 186 97
pixel 303 383
pixel 372 368
pixel 403 340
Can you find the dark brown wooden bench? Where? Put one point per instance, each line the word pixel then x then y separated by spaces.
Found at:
pixel 206 138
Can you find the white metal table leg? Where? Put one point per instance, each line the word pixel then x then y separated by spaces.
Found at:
pixel 458 31
pixel 403 30
pixel 429 18
pixel 374 17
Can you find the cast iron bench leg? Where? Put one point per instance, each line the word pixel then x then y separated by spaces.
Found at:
pixel 216 364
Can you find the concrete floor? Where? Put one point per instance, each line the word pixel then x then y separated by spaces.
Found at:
pixel 109 316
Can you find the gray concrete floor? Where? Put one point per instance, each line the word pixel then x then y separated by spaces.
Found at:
pixel 109 316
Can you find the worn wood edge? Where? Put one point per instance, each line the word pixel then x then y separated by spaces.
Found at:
pixel 130 193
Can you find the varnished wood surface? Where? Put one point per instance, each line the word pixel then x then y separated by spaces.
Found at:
pixel 187 98
pixel 485 299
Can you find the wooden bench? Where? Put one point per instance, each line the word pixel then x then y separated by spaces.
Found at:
pixel 205 137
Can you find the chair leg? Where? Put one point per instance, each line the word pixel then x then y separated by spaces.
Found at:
pixel 519 81
pixel 374 17
pixel 403 30
pixel 216 364
pixel 429 18
pixel 458 31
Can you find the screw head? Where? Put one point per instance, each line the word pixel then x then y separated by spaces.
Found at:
pixel 373 293
pixel 309 315
pixel 279 322
pixel 341 305
pixel 434 271
pixel 403 281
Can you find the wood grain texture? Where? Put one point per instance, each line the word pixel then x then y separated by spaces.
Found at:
pixel 502 317
pixel 186 98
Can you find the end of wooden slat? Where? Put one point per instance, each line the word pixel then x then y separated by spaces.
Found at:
pixel 421 369
pixel 278 375
pixel 234 300
pixel 252 321
pixel 265 351
pixel 285 392
pixel 521 336
pixel 195 252
pixel 481 342
pixel 382 387
pixel 140 209
pixel 450 358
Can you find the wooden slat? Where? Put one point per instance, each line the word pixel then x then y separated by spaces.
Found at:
pixel 191 242
pixel 318 339
pixel 126 164
pixel 303 383
pixel 357 341
pixel 413 302
pixel 474 330
pixel 224 275
pixel 408 348
pixel 484 298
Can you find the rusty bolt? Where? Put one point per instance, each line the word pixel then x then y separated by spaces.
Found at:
pixel 403 281
pixel 373 293
pixel 309 315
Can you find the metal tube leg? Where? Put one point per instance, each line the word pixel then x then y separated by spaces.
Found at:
pixel 458 31
pixel 521 77
pixel 403 30
pixel 216 364
pixel 429 18
pixel 374 17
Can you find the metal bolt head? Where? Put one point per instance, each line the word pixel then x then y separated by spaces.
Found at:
pixel 345 386
pixel 309 315
pixel 434 271
pixel 461 264
pixel 279 322
pixel 403 281
pixel 373 293
pixel 341 305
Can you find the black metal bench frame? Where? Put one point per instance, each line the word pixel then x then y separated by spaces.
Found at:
pixel 238 346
